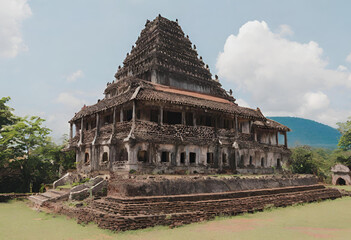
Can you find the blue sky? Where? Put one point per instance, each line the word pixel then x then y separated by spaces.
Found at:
pixel 286 57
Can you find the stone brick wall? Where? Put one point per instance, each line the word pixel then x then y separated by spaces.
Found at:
pixel 4 197
pixel 160 186
pixel 120 214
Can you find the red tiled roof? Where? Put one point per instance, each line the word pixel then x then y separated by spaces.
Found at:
pixel 164 88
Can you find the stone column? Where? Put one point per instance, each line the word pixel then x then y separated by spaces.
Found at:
pixel 121 115
pixel 276 138
pixel 114 121
pixel 194 119
pixel 236 125
pixel 269 138
pixel 285 140
pixel 97 130
pixel 70 131
pixel 161 115
pixel 134 112
pixel 183 118
pixel 81 130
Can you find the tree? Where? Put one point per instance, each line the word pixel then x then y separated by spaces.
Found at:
pixel 6 115
pixel 19 142
pixel 308 160
pixel 345 130
pixel 301 160
pixel 343 157
pixel 27 154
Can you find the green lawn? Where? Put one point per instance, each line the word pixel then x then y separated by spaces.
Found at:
pixel 324 220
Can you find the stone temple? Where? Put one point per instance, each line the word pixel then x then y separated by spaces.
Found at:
pixel 164 113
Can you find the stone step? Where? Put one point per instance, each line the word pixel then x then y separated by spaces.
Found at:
pixel 212 196
pixel 189 206
pixel 130 217
pixel 38 199
pixel 50 194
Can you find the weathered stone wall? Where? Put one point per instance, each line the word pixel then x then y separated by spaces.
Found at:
pixel 159 186
pixel 4 197
pixel 120 214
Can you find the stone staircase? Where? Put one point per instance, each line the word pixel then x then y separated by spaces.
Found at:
pixel 50 195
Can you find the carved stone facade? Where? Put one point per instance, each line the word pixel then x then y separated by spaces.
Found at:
pixel 165 114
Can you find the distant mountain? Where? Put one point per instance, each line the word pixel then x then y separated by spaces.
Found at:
pixel 309 132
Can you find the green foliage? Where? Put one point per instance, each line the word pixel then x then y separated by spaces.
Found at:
pixel 343 157
pixel 345 130
pixel 308 160
pixel 28 157
pixel 82 181
pixel 6 115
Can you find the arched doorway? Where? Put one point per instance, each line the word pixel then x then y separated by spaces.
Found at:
pixel 86 158
pixel 340 181
pixel 105 157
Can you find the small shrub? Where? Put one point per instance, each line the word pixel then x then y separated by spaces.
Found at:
pixel 42 188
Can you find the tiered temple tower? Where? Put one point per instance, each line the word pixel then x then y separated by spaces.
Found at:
pixel 165 113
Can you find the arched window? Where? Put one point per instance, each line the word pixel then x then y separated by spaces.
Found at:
pixel 142 156
pixel 192 158
pixel 241 164
pixel 165 157
pixel 105 157
pixel 279 165
pixel 262 162
pixel 210 158
pixel 123 156
pixel 86 158
pixel 224 159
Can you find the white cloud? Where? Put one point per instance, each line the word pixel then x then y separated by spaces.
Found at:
pixel 314 101
pixel 279 75
pixel 242 103
pixel 285 30
pixel 342 68
pixel 70 101
pixel 12 14
pixel 74 76
pixel 348 58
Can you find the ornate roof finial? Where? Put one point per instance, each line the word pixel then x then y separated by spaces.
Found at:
pixel 187 36
pixel 177 20
pixel 200 58
pixel 159 15
pixel 207 66
pixel 216 77
pixel 119 67
pixel 147 22
pixel 194 46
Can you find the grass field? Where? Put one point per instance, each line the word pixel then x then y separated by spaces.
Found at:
pixel 324 220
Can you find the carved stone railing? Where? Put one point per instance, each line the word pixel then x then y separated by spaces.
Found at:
pixel 88 135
